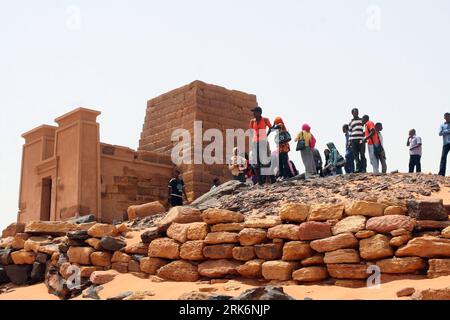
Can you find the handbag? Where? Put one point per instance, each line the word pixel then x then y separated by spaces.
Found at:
pixel 282 137
pixel 340 162
pixel 301 144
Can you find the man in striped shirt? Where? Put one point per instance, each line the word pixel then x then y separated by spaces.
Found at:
pixel 356 127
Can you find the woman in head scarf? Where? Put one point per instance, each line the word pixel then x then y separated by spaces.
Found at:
pixel 283 150
pixel 308 142
pixel 336 161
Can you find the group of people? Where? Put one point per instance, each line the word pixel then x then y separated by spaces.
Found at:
pixel 358 133
pixel 262 166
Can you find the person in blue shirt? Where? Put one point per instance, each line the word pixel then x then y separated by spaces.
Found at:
pixel 349 160
pixel 445 133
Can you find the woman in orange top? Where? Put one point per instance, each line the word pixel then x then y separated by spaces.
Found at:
pixel 283 149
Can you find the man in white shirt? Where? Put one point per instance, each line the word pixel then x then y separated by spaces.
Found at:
pixel 415 151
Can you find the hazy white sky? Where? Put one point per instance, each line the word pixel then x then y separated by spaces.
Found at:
pixel 307 61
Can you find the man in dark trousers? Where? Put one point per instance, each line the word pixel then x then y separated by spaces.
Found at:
pixel 356 127
pixel 260 146
pixel 415 151
pixel 444 132
pixel 349 159
pixel 176 190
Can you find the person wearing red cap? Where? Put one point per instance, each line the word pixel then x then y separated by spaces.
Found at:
pixel 305 144
pixel 260 147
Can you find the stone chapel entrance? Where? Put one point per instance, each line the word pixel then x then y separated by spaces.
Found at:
pixel 46 199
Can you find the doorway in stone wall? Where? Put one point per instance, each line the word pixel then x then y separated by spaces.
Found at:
pixel 46 199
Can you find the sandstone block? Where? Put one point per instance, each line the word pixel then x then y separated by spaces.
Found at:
pixel 182 214
pixel 296 250
pixel 178 232
pixel 401 265
pixel 264 223
pixel 324 212
pixel 101 258
pixel 102 277
pixel 386 224
pixel 49 227
pixel 340 241
pixel 80 255
pixel 221 237
pixel 219 251
pixel 100 230
pixel 251 269
pixel 23 257
pixel 251 236
pixel 294 212
pixel 376 247
pixel 164 248
pixel 438 268
pixel 431 209
pixel 278 270
pixel 425 247
pixel 314 260
pixel 179 271
pixel 310 274
pixel 365 208
pixel 394 210
pixel 348 271
pixel 197 231
pixel 215 216
pixel 243 253
pixel 342 256
pixel 227 227
pixel 218 268
pixel 152 265
pixel 352 224
pixel 284 231
pixel 192 250
pixel 269 251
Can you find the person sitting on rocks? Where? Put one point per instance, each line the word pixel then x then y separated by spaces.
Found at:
pixel 326 171
pixel 318 162
pixel 335 161
pixel 216 183
pixel 238 166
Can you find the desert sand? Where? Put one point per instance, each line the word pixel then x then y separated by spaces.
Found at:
pixel 172 290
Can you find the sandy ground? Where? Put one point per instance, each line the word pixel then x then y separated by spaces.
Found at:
pixel 172 290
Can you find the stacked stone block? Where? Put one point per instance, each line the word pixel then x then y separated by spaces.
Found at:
pixel 339 244
pixel 215 106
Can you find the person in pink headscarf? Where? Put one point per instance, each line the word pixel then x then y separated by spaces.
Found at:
pixel 305 144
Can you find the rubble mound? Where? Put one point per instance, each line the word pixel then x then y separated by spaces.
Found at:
pixel 338 230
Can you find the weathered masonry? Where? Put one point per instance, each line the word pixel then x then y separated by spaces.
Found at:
pixel 68 172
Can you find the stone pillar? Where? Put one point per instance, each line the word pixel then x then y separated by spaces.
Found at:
pixel 77 148
pixel 37 163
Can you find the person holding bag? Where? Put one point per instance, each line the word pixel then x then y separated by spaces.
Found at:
pixel 282 140
pixel 305 144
